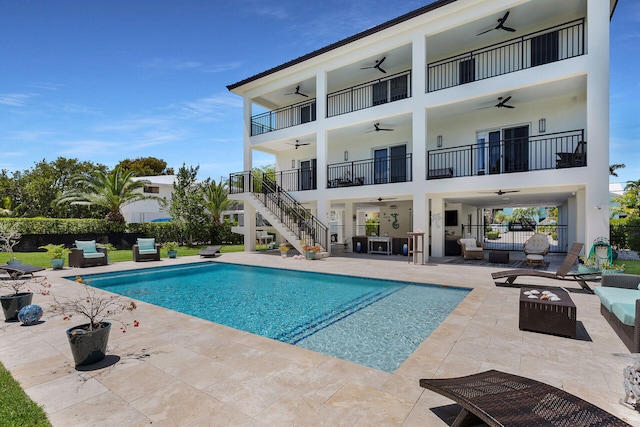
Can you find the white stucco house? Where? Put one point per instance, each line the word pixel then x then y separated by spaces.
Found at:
pixel 430 118
pixel 151 210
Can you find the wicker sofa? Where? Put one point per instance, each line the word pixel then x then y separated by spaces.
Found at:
pixel 620 305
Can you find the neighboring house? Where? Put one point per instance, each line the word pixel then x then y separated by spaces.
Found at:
pixel 428 118
pixel 151 210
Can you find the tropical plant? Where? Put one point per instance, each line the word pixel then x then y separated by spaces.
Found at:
pixel 614 167
pixel 171 246
pixel 111 190
pixel 186 204
pixel 215 200
pixel 56 251
pixel 606 265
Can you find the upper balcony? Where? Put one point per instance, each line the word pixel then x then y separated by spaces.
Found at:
pixel 520 154
pixel 534 49
pixel 281 118
pixel 370 94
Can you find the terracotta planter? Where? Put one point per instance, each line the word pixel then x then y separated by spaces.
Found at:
pixel 87 346
pixel 11 304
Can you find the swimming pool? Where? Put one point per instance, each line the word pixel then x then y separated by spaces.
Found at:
pixel 372 322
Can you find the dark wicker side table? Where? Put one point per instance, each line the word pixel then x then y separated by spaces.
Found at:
pixel 499 257
pixel 551 317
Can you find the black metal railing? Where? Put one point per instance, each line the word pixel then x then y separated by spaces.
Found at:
pixel 549 45
pixel 370 94
pixel 550 151
pixel 504 238
pixel 291 214
pixel 293 115
pixel 300 179
pixel 381 170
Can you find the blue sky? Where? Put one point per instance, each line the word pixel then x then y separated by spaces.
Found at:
pixel 108 80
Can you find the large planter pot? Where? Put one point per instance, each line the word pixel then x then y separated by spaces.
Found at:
pixel 14 262
pixel 57 263
pixel 11 304
pixel 88 346
pixel 311 255
pixel 172 254
pixel 604 271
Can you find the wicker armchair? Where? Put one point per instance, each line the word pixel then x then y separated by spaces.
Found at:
pixel 471 249
pixel 146 250
pixel 87 254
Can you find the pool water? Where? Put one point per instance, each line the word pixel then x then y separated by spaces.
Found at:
pixel 376 323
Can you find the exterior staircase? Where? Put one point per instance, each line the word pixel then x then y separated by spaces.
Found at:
pixel 292 220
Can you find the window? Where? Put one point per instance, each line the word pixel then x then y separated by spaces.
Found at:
pixel 390 164
pixel 151 189
pixel 379 93
pixel 308 113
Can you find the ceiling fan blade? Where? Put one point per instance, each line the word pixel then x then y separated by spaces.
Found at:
pixel 367 68
pixel 508 106
pixel 505 100
pixel 381 61
pixel 511 30
pixel 490 29
pixel 381 70
pixel 504 18
pixel 300 93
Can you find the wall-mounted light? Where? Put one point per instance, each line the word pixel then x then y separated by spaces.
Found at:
pixel 542 125
pixel 293 163
pixel 598 207
pixel 439 141
pixel 346 155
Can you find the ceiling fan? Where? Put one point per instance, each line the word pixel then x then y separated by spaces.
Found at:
pixel 500 192
pixel 500 25
pixel 502 103
pixel 377 65
pixel 377 128
pixel 297 92
pixel 382 199
pixel 298 143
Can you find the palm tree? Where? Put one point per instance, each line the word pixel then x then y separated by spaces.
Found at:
pixel 614 167
pixel 110 190
pixel 216 201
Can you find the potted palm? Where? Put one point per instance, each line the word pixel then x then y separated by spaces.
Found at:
pixel 88 341
pixel 283 248
pixel 57 253
pixel 172 249
pixel 587 264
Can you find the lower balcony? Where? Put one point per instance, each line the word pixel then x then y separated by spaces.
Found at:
pixel 521 154
pixel 379 170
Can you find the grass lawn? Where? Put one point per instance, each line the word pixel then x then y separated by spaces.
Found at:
pixel 41 259
pixel 16 409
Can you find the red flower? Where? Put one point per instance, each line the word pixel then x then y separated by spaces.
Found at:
pixel 136 323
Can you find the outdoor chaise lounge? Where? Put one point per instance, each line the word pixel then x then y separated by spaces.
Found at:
pixel 17 270
pixel 563 273
pixel 620 306
pixel 210 251
pixel 86 254
pixel 502 399
pixel 146 250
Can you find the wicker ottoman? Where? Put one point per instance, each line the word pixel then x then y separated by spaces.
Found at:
pixel 535 260
pixel 499 257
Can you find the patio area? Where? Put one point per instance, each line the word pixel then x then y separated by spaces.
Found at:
pixel 177 370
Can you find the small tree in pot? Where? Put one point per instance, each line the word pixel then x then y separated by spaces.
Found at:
pixel 9 237
pixel 88 341
pixel 20 295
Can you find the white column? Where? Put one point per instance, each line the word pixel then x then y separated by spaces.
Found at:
pixel 248 157
pixel 249 227
pixel 597 135
pixel 322 147
pixel 421 219
pixel 437 226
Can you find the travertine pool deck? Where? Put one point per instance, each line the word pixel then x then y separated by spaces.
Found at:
pixel 177 370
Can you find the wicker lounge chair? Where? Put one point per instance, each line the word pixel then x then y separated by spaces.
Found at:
pixel 563 272
pixel 17 270
pixel 470 248
pixel 502 399
pixel 210 251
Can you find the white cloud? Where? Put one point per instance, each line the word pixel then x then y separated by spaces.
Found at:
pixel 15 99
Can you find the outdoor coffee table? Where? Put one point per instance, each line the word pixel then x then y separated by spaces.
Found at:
pixel 551 317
